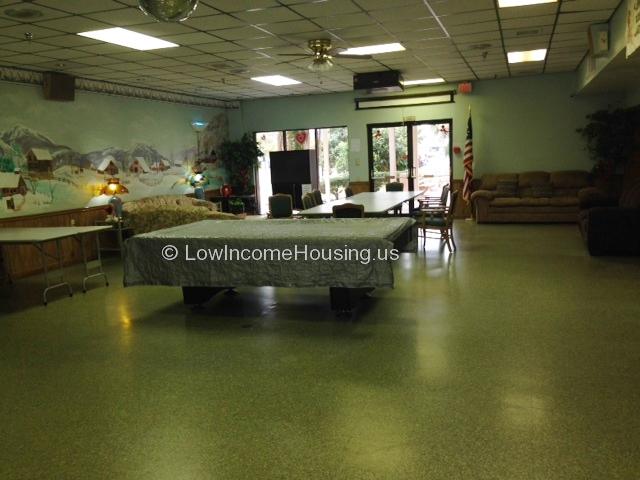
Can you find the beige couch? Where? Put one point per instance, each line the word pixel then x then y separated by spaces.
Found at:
pixel 164 211
pixel 536 197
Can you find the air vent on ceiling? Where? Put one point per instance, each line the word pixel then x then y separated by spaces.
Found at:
pixel 528 33
pixel 480 46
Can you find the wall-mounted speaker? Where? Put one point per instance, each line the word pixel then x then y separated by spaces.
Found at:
pixel 59 86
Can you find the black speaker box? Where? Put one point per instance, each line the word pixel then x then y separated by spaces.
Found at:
pixel 59 86
pixel 387 81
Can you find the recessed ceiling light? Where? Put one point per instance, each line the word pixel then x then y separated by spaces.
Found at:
pixel 528 56
pixel 522 3
pixel 374 49
pixel 128 38
pixel 276 80
pixel 426 81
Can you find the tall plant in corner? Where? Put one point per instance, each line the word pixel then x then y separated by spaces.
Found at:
pixel 240 157
pixel 611 137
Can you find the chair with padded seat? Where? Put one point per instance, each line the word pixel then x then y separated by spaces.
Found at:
pixel 308 201
pixel 348 192
pixel 348 210
pixel 435 202
pixel 280 206
pixel 317 196
pixel 440 221
pixel 395 187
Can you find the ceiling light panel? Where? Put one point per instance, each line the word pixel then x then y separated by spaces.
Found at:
pixel 276 80
pixel 374 49
pixel 522 3
pixel 527 56
pixel 426 81
pixel 128 38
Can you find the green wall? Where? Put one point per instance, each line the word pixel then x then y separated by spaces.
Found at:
pixel 526 123
pixel 80 134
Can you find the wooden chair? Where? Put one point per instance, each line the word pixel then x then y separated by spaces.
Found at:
pixel 440 221
pixel 280 206
pixel 394 187
pixel 348 210
pixel 348 192
pixel 308 201
pixel 317 196
pixel 435 202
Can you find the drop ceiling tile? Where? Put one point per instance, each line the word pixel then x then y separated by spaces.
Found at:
pixel 194 38
pixel 26 59
pixel 218 47
pixel 582 5
pixel 121 17
pixel 452 7
pixel 291 28
pixel 240 5
pixel 74 24
pixel 264 42
pixel 177 52
pixel 200 59
pixel 39 33
pixel 45 13
pixel 97 60
pixel 23 46
pixel 64 54
pixel 215 22
pixel 80 7
pixel 70 40
pixel 573 27
pixel 133 56
pixel 529 11
pixel 393 14
pixel 268 15
pixel 158 29
pixel 469 18
pixel 588 16
pixel 345 21
pixel 526 23
pixel 240 33
pixel 326 8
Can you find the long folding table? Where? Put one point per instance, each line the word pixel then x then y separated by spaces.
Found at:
pixel 39 236
pixel 376 204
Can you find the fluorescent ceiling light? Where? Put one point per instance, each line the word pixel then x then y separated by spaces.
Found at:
pixel 374 49
pixel 426 81
pixel 276 80
pixel 128 38
pixel 522 3
pixel 528 56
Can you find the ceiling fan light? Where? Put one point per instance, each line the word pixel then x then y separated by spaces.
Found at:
pixel 168 10
pixel 321 64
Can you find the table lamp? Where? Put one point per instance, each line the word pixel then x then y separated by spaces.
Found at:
pixel 114 188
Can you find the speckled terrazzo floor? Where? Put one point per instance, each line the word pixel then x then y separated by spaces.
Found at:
pixel 516 358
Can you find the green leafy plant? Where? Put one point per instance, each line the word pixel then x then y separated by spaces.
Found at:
pixel 236 205
pixel 240 157
pixel 611 138
pixel 7 164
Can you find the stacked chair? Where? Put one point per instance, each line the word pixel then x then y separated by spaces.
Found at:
pixel 438 220
pixel 348 210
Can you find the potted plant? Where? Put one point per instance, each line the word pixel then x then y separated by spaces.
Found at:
pixel 236 206
pixel 240 157
pixel 611 137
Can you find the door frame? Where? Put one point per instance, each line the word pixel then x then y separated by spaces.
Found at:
pixel 410 153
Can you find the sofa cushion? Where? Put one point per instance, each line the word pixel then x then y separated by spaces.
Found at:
pixel 530 179
pixel 490 181
pixel 543 190
pixel 507 188
pixel 564 201
pixel 630 198
pixel 535 202
pixel 506 202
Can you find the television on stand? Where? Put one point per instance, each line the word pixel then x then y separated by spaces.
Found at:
pixel 294 172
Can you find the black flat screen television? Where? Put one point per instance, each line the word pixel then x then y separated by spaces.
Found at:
pixel 293 166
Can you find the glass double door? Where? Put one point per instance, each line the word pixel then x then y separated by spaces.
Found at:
pixel 416 154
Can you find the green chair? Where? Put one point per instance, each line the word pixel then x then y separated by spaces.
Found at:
pixel 317 196
pixel 439 221
pixel 280 206
pixel 348 210
pixel 308 201
pixel 394 187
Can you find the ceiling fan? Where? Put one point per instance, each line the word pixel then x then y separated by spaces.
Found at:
pixel 322 55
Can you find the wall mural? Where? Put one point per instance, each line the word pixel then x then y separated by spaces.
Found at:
pixel 40 175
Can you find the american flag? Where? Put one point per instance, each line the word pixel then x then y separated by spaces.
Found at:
pixel 468 162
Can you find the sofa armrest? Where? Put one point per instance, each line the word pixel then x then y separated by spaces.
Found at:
pixel 205 203
pixel 595 197
pixel 486 194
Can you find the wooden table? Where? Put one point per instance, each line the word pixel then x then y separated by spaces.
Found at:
pixel 376 204
pixel 39 236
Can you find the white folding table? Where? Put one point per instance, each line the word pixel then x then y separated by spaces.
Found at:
pixel 375 204
pixel 39 236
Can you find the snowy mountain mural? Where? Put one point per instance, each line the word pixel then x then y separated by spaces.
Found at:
pixel 39 175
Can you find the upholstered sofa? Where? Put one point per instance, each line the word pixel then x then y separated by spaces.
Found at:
pixel 533 197
pixel 164 211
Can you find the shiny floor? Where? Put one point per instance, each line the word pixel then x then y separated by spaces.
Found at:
pixel 516 358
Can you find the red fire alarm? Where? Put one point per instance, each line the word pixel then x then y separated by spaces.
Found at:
pixel 465 88
pixel 457 150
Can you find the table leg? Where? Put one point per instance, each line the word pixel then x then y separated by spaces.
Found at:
pixel 89 265
pixel 45 268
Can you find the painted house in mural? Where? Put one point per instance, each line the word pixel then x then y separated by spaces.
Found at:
pixel 107 166
pixel 40 163
pixel 139 165
pixel 160 165
pixel 12 184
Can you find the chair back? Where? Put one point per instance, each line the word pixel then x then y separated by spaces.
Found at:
pixel 451 210
pixel 348 192
pixel 280 206
pixel 348 210
pixel 394 187
pixel 445 194
pixel 317 196
pixel 308 201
